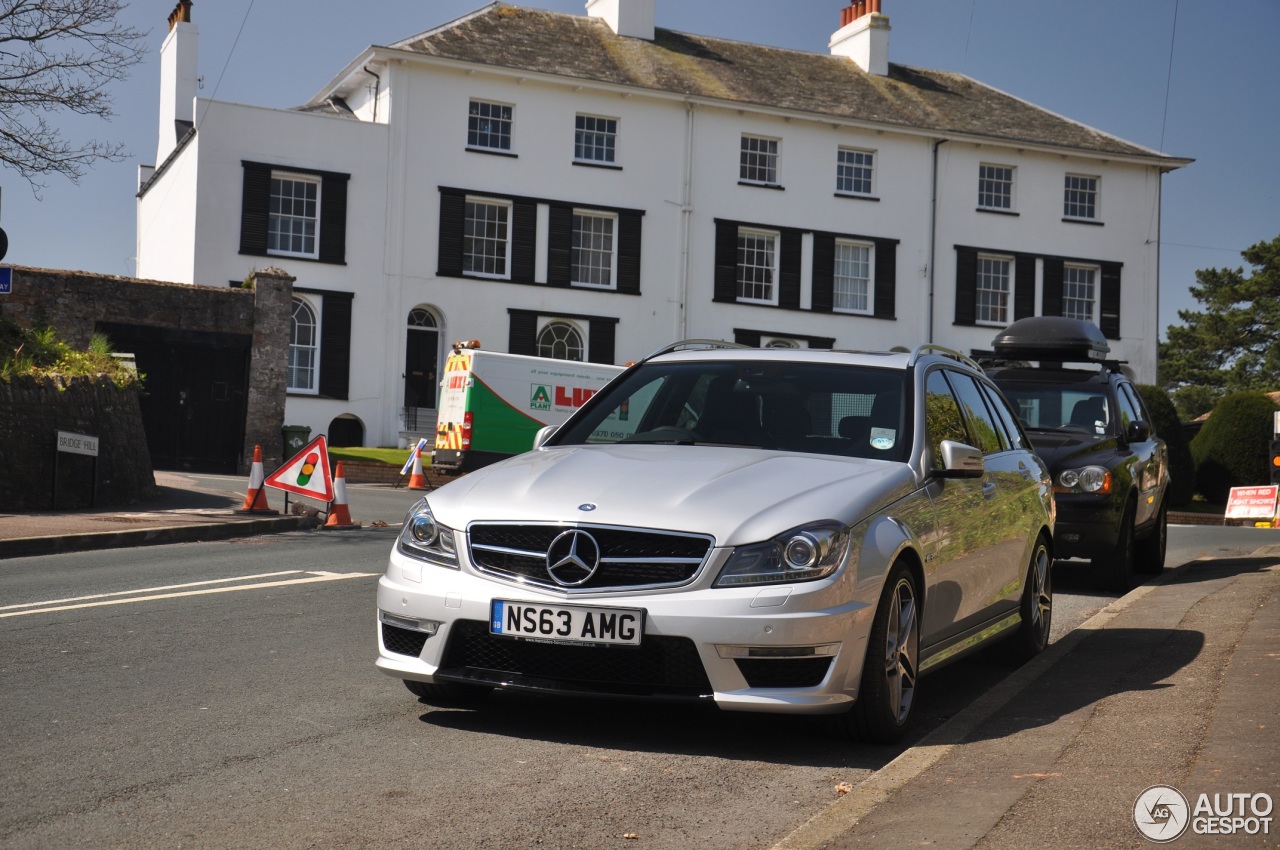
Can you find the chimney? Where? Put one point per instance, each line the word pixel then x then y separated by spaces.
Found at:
pixel 632 18
pixel 863 36
pixel 177 79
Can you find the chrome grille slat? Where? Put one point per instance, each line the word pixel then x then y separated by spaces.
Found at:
pixel 630 558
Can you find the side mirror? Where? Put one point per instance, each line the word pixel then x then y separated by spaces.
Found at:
pixel 1137 432
pixel 960 461
pixel 544 434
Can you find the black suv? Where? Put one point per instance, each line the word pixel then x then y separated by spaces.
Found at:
pixel 1089 425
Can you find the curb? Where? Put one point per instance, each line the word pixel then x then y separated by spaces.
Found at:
pixel 844 814
pixel 21 547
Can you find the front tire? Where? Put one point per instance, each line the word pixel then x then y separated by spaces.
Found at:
pixel 1149 557
pixel 889 673
pixel 1115 573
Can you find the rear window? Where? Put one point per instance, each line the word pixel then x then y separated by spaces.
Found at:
pixel 813 408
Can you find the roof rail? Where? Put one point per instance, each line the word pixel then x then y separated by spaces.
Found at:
pixel 943 351
pixel 690 344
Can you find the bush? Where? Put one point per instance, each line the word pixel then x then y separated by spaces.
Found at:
pixel 1231 448
pixel 1164 421
pixel 40 353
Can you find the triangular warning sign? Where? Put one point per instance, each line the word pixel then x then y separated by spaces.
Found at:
pixel 307 473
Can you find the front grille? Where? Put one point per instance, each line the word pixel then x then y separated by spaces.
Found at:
pixel 628 558
pixel 403 641
pixel 661 666
pixel 784 672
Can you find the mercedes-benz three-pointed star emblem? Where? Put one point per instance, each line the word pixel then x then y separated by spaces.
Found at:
pixel 573 558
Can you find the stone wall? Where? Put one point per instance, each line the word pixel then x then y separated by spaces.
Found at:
pixel 33 411
pixel 73 303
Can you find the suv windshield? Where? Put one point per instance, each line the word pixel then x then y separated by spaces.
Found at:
pixel 817 408
pixel 1075 408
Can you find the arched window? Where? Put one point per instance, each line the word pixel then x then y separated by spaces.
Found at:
pixel 561 341
pixel 302 348
pixel 420 318
pixel 779 342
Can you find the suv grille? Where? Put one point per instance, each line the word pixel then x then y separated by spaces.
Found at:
pixel 629 558
pixel 660 667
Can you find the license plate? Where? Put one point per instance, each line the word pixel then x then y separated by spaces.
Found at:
pixel 574 624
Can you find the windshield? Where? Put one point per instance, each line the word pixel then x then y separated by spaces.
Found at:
pixel 1069 408
pixel 816 408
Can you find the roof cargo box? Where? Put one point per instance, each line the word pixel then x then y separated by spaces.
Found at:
pixel 1051 338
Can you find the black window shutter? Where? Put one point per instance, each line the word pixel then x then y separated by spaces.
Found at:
pixel 789 270
pixel 560 245
pixel 630 231
pixel 726 279
pixel 1024 286
pixel 453 212
pixel 886 302
pixel 824 272
pixel 524 241
pixel 601 344
pixel 748 338
pixel 255 208
pixel 966 286
pixel 1110 300
pixel 1051 297
pixel 523 333
pixel 335 346
pixel 333 218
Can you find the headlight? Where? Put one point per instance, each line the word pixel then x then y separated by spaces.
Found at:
pixel 422 537
pixel 802 554
pixel 1090 479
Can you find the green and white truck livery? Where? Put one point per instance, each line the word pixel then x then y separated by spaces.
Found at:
pixel 493 404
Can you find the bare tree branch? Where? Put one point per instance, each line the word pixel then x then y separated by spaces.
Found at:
pixel 60 56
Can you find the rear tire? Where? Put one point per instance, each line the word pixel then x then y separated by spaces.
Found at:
pixel 448 694
pixel 1149 556
pixel 1032 635
pixel 891 668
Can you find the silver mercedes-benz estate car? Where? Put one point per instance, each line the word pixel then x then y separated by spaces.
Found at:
pixel 771 530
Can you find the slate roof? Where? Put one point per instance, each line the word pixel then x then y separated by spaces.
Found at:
pixel 581 47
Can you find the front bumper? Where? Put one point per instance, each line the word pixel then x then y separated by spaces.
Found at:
pixel 700 643
pixel 1086 527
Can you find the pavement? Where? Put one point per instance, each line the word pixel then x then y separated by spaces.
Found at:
pixel 1156 721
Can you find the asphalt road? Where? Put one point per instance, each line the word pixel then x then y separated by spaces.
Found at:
pixel 223 695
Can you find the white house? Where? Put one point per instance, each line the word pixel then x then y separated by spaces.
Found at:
pixel 593 186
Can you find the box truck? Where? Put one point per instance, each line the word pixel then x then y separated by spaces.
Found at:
pixel 492 404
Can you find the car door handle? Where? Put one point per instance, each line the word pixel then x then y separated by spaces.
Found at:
pixel 988 489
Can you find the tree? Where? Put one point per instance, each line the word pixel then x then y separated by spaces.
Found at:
pixel 59 56
pixel 1234 344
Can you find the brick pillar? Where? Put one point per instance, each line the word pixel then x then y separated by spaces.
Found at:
pixel 268 368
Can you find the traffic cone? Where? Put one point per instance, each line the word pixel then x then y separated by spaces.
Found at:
pixel 418 481
pixel 339 514
pixel 255 500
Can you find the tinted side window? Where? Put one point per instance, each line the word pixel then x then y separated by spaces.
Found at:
pixel 1135 398
pixel 1005 415
pixel 1128 410
pixel 985 433
pixel 942 415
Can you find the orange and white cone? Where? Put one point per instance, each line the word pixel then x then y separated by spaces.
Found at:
pixel 418 481
pixel 339 514
pixel 255 500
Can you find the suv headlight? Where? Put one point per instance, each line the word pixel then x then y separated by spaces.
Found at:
pixel 424 538
pixel 1090 479
pixel 803 554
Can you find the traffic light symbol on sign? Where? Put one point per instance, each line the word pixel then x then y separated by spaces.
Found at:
pixel 1275 461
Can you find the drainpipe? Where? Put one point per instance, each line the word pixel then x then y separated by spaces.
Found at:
pixel 686 221
pixel 377 89
pixel 933 230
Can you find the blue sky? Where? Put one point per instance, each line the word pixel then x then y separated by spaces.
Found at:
pixel 1103 64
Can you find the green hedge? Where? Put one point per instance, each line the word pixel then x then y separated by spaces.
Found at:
pixel 1231 449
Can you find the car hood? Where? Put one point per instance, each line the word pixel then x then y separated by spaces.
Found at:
pixel 737 495
pixel 1063 450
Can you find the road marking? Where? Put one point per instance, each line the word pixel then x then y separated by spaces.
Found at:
pixel 149 590
pixel 311 578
